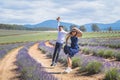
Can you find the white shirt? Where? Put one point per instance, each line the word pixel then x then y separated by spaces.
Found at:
pixel 61 35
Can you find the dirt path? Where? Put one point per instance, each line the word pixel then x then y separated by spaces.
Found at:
pixel 58 70
pixel 48 44
pixel 7 66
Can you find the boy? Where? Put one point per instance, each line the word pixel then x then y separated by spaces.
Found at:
pixel 60 40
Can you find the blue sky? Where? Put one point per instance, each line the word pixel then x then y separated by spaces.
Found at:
pixel 74 11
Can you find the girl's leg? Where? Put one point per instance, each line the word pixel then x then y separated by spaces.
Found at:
pixel 69 62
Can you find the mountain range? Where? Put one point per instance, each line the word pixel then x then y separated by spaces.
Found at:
pixel 53 24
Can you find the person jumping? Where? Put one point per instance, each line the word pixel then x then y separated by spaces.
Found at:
pixel 70 51
pixel 60 40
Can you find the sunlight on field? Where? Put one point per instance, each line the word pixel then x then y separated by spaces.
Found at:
pixel 12 36
pixel 28 37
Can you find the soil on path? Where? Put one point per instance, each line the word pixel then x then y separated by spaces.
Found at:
pixel 58 70
pixel 8 67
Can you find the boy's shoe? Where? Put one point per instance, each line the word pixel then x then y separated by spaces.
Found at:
pixel 53 64
pixel 68 70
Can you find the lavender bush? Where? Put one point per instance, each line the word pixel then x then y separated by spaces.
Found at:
pixel 117 56
pixel 29 68
pixel 112 74
pixel 4 49
pixel 76 62
pixel 93 67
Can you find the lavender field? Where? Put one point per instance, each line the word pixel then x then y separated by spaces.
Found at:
pixel 94 51
pixel 29 30
pixel 97 56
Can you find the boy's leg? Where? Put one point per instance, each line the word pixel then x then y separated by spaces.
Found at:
pixel 54 54
pixel 58 52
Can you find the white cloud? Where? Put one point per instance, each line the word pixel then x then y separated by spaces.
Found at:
pixel 76 11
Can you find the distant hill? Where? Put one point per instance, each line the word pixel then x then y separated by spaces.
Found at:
pixel 53 24
pixel 49 24
pixel 115 26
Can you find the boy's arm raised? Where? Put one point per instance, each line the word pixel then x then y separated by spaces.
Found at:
pixel 58 22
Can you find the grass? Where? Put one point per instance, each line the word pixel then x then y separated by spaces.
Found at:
pixel 12 36
pixel 4 33
pixel 28 37
pixel 101 34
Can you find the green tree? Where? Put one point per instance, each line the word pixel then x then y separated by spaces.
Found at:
pixel 95 27
pixel 66 29
pixel 110 28
pixel 12 27
pixel 82 28
pixel 72 27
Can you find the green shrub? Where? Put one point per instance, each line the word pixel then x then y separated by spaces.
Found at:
pixel 49 55
pixel 42 49
pixel 112 74
pixel 108 54
pixel 117 56
pixel 100 53
pixel 76 62
pixel 93 67
pixel 95 53
pixel 86 51
pixel 63 61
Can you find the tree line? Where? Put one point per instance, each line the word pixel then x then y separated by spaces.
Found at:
pixel 94 27
pixel 12 27
pixel 21 27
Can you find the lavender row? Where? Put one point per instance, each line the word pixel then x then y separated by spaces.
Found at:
pixel 107 42
pixel 101 51
pixel 29 68
pixel 85 59
pixel 4 49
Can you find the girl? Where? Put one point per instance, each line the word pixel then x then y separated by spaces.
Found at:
pixel 74 48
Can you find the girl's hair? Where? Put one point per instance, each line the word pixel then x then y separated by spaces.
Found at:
pixel 71 33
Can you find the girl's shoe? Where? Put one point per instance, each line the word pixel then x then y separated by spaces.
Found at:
pixel 68 70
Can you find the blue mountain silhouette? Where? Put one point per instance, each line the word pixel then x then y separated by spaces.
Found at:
pixel 53 24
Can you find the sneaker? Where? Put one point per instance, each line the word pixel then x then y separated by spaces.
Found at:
pixel 53 64
pixel 68 70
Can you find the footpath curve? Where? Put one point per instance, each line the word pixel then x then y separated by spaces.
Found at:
pixel 8 67
pixel 58 70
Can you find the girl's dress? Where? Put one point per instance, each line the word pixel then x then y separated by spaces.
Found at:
pixel 73 49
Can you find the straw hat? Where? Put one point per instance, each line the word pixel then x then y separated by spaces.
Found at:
pixel 79 33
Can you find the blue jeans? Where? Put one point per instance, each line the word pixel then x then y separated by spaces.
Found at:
pixel 57 49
